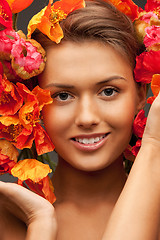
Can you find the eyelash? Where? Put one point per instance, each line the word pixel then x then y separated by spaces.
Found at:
pixel 113 89
pixel 57 95
pixel 69 96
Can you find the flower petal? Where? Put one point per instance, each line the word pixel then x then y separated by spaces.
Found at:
pixel 44 188
pixel 10 98
pixel 69 6
pixel 42 140
pixel 152 5
pixel 30 169
pixel 19 5
pixel 43 96
pixel 128 7
pixel 8 156
pixel 139 124
pixel 155 86
pixel 5 15
pixel 147 64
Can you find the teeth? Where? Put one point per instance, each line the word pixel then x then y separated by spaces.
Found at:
pixel 89 140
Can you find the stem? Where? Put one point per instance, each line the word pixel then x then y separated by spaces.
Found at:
pixel 15 18
pixel 33 150
pixel 50 162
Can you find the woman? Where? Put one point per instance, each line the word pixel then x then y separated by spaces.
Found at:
pixel 95 101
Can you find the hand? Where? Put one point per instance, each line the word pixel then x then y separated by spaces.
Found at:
pixel 35 211
pixel 152 130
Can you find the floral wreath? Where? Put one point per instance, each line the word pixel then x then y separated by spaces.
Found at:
pixel 24 143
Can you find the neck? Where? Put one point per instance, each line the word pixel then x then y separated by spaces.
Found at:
pixel 78 186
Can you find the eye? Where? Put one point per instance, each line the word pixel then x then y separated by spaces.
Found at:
pixel 109 92
pixel 62 96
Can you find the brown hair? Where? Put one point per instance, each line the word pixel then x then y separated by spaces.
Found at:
pixel 99 21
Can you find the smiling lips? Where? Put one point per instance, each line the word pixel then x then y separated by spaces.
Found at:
pixel 89 144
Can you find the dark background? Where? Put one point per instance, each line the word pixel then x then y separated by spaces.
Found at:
pixel 23 20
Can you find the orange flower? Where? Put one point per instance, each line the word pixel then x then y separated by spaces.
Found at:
pixel 155 86
pixel 35 175
pixel 128 7
pixel 19 5
pixel 29 116
pixel 44 188
pixel 10 98
pixel 47 20
pixel 30 169
pixel 24 127
pixel 10 127
pixel 8 156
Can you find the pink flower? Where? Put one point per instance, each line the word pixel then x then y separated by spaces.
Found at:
pixel 7 39
pixel 146 17
pixel 28 58
pixel 152 36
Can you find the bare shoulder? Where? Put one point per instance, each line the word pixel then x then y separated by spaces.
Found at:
pixel 11 228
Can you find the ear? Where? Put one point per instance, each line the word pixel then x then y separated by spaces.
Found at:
pixel 141 100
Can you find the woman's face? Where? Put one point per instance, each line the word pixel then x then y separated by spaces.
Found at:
pixel 94 103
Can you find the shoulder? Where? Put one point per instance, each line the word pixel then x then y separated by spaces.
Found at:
pixel 11 228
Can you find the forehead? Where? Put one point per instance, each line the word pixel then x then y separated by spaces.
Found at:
pixel 78 62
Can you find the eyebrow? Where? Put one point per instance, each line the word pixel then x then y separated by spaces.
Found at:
pixel 111 79
pixel 59 85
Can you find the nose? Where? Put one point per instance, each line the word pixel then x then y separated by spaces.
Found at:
pixel 87 114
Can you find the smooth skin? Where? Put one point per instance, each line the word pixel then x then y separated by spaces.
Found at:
pixel 101 97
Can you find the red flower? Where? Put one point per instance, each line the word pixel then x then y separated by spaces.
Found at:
pixel 139 124
pixel 1 69
pixel 136 148
pixel 10 98
pixel 9 72
pixel 147 64
pixel 128 154
pixel 152 5
pixel 5 15
pixel 128 7
pixel 155 86
pixel 8 156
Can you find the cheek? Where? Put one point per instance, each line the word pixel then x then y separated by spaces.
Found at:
pixel 122 114
pixel 56 120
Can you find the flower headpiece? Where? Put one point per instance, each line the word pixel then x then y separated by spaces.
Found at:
pixel 22 58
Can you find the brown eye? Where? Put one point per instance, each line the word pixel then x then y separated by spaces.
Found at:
pixel 108 92
pixel 63 96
